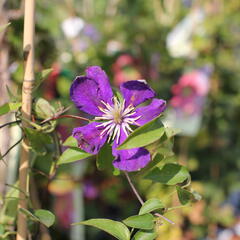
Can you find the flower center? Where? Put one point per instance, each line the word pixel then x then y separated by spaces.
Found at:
pixel 116 118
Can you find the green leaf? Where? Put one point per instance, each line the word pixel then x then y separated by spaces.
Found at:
pixel 45 217
pixel 144 135
pixel 70 142
pixel 184 196
pixel 28 214
pixel 151 205
pixel 145 221
pixel 72 154
pixel 8 107
pixel 145 235
pixel 114 228
pixel 41 76
pixel 169 174
pixel 8 211
pixel 37 140
pixel 43 109
pixel 3 27
pixel 105 158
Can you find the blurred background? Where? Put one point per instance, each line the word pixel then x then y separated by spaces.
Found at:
pixel 189 52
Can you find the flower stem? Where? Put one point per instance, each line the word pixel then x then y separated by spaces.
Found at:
pixel 65 116
pixel 141 200
pixel 133 188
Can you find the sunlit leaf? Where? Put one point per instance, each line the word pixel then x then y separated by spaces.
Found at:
pixel 72 154
pixel 45 217
pixel 43 109
pixel 70 142
pixel 145 135
pixel 28 214
pixel 40 215
pixel 169 174
pixel 151 205
pixel 8 107
pixel 145 221
pixel 114 228
pixel 145 235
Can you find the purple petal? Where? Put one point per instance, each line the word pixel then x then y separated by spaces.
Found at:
pixel 136 92
pixel 88 91
pixel 151 111
pixel 88 138
pixel 132 159
pixel 102 80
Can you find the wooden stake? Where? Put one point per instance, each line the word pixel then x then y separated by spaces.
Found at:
pixel 28 83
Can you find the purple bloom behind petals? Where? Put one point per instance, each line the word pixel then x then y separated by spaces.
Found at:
pixel 92 93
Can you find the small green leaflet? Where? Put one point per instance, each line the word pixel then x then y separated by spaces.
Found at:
pixel 70 142
pixel 145 221
pixel 184 196
pixel 151 205
pixel 43 109
pixel 169 174
pixel 8 107
pixel 8 211
pixel 144 135
pixel 105 158
pixel 40 215
pixel 72 154
pixel 114 228
pixel 45 217
pixel 37 140
pixel 145 235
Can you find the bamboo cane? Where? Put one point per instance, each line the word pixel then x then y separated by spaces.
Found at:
pixel 28 82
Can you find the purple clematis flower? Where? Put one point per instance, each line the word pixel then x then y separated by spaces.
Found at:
pixel 92 94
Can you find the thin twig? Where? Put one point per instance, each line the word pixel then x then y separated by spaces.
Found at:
pixel 13 146
pixel 133 188
pixel 53 168
pixel 141 200
pixel 161 216
pixel 12 186
pixel 9 123
pixel 65 116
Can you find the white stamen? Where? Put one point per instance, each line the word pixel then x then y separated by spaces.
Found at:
pixel 105 124
pixel 116 118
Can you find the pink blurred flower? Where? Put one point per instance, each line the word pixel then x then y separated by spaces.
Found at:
pixel 190 91
pixel 125 69
pixel 63 208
